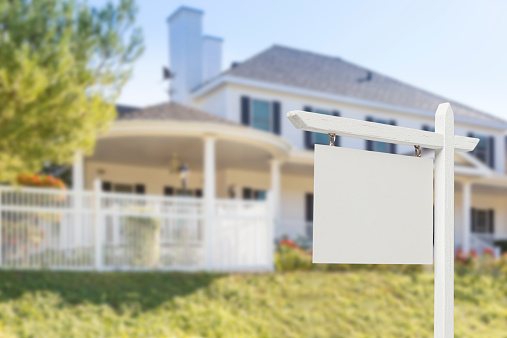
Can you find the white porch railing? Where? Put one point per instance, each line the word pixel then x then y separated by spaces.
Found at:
pixel 479 242
pixel 294 229
pixel 93 230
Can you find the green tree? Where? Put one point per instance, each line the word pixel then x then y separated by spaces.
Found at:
pixel 62 65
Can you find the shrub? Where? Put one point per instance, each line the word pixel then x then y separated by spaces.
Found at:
pixel 142 240
pixel 290 257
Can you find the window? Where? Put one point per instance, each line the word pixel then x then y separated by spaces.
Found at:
pixel 318 138
pixel 309 207
pixel 381 147
pixel 483 221
pixel 427 127
pixel 260 195
pixel 309 215
pixel 485 149
pixel 481 150
pixel 260 116
pixel 168 191
pixel 171 191
pixel 123 188
pixel 249 194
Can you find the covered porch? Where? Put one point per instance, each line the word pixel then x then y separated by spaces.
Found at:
pixel 480 206
pixel 217 214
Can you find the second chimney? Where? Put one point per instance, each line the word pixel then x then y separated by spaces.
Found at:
pixel 211 57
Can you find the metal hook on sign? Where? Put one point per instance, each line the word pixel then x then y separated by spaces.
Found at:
pixel 332 138
pixel 417 151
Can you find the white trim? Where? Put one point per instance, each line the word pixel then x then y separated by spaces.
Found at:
pixel 226 79
pixel 274 143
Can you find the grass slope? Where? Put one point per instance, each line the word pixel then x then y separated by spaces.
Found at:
pixel 312 304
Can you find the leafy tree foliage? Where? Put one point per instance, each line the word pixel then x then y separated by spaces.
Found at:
pixel 62 65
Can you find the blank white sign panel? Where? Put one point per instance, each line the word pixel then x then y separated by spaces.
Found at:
pixel 372 208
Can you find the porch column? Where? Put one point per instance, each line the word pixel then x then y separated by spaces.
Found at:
pixel 275 188
pixel 467 224
pixel 209 197
pixel 77 188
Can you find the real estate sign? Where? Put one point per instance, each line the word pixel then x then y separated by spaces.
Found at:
pixel 376 208
pixel 372 208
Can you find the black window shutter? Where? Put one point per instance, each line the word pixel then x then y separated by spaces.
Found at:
pixel 245 110
pixel 491 220
pixel 139 189
pixel 107 186
pixel 168 191
pixel 392 146
pixel 337 139
pixel 491 152
pixel 247 193
pixel 276 118
pixel 473 219
pixel 369 144
pixel 309 207
pixel 307 134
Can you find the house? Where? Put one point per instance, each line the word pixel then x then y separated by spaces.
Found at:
pixel 224 134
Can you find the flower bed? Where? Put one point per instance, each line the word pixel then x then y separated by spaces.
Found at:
pixel 290 256
pixel 40 181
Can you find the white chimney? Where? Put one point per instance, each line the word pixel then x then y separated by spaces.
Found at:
pixel 211 57
pixel 185 52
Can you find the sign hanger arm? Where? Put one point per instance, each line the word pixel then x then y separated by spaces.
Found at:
pixel 372 131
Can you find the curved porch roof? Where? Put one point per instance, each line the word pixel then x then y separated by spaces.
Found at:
pixel 152 136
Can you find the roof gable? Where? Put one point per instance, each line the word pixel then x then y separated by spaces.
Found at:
pixel 292 67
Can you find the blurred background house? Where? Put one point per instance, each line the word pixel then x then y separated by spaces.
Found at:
pixel 224 172
pixel 237 116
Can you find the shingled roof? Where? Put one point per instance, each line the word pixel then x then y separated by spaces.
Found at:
pixel 172 111
pixel 297 68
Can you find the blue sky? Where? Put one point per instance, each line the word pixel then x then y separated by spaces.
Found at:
pixel 457 49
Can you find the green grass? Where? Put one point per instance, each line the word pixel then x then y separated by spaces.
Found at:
pixel 297 304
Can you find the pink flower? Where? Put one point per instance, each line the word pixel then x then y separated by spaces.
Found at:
pixel 488 251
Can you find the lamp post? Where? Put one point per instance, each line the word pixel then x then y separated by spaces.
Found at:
pixel 184 172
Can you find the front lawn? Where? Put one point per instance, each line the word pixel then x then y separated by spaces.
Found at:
pixel 295 304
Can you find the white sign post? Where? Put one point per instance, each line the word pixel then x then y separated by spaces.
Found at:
pixel 445 143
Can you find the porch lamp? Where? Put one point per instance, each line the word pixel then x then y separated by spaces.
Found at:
pixel 184 172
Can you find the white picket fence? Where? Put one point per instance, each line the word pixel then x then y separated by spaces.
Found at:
pixel 95 230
